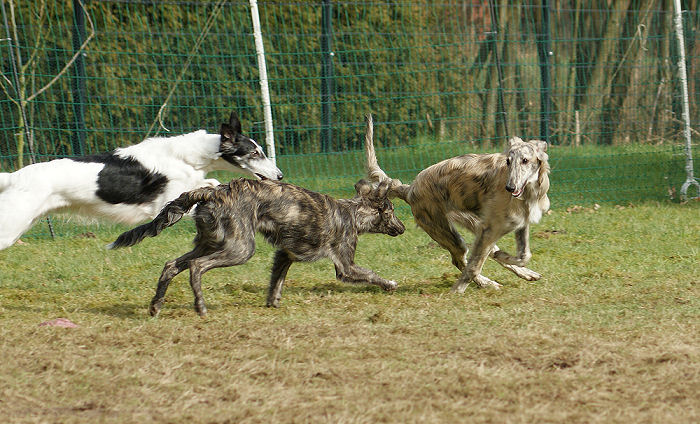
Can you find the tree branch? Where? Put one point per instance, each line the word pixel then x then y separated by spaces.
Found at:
pixel 70 62
pixel 4 88
pixel 35 50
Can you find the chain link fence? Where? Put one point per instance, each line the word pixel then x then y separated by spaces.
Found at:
pixel 597 79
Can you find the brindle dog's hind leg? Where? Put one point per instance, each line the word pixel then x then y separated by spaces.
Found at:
pixel 235 252
pixel 171 269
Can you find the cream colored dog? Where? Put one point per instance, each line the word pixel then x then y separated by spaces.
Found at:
pixel 488 194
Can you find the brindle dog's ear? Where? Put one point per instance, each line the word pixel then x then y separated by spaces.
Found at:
pixel 363 187
pixel 383 189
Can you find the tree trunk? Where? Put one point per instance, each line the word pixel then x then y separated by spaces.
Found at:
pixel 568 117
pixel 511 80
pixel 633 99
pixel 598 86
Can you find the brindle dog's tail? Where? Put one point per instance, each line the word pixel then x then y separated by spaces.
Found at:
pixel 169 215
pixel 374 172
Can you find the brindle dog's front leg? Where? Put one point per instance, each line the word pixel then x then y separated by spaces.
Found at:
pixel 280 266
pixel 352 273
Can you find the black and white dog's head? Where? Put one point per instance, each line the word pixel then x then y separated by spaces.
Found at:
pixel 244 153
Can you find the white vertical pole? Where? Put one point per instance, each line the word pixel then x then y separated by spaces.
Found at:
pixel 690 180
pixel 264 88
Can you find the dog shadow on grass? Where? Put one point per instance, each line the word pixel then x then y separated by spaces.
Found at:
pixel 117 310
pixel 292 289
pixel 231 292
pixel 121 310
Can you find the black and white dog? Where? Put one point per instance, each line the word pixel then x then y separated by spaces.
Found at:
pixel 130 184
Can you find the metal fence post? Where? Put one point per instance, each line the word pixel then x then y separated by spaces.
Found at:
pixel 690 179
pixel 264 85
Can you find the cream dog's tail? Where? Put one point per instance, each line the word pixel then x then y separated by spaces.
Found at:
pixel 374 172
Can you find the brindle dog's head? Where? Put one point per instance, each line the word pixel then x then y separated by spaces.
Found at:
pixel 526 161
pixel 377 210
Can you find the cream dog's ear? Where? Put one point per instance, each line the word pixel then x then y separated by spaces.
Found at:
pixel 541 149
pixel 514 141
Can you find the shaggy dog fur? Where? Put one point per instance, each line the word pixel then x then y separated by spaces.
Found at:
pixel 304 225
pixel 488 194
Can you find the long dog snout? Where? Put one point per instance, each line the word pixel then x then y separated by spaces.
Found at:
pixel 278 177
pixel 396 227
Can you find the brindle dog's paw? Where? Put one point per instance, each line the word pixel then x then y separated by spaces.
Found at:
pixel 390 286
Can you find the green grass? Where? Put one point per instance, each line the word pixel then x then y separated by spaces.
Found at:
pixel 610 334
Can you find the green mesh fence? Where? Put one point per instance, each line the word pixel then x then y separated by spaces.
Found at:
pixel 597 79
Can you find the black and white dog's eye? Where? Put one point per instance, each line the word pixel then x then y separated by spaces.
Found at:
pixel 524 161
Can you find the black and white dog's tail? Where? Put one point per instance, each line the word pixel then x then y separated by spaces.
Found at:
pixel 169 215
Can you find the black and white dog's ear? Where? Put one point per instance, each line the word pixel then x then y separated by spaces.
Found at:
pixel 235 123
pixel 541 145
pixel 227 133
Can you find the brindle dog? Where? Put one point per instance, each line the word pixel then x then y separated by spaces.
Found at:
pixel 305 226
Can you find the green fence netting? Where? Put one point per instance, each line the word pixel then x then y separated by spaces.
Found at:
pixel 597 79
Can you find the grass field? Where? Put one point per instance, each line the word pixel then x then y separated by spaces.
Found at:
pixel 610 334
